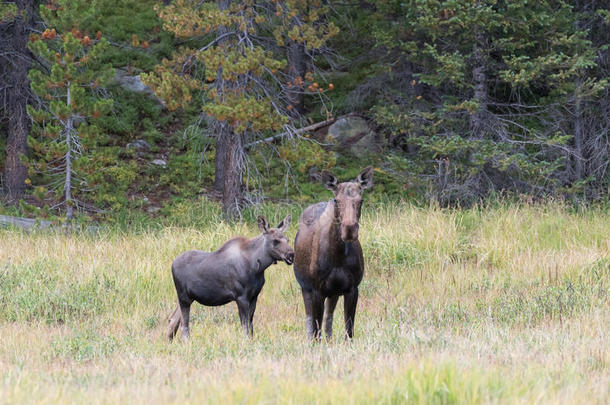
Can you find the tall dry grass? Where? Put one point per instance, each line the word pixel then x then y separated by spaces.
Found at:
pixel 486 305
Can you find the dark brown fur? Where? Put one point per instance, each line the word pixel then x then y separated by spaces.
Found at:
pixel 328 256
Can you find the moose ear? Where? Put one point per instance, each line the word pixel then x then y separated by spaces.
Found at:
pixel 284 224
pixel 365 178
pixel 329 180
pixel 263 225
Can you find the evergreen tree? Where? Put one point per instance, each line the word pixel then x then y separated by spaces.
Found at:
pixel 17 20
pixel 483 76
pixel 243 77
pixel 583 112
pixel 69 84
pixel 303 29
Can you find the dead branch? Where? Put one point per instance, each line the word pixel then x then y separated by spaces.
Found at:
pixel 299 131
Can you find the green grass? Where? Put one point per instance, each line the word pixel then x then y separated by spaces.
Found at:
pixel 503 304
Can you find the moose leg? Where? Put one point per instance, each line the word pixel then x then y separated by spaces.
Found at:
pixel 243 306
pixel 307 299
pixel 252 309
pixel 350 300
pixel 185 310
pixel 317 312
pixel 314 307
pixel 329 308
pixel 174 323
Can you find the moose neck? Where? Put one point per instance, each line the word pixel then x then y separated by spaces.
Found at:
pixel 336 245
pixel 258 256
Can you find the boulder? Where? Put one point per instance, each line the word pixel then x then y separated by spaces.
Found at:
pixel 159 162
pixel 353 135
pixel 139 144
pixel 134 83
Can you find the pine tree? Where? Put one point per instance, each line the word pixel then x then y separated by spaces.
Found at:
pixel 303 29
pixel 583 110
pixel 17 19
pixel 69 84
pixel 483 76
pixel 243 78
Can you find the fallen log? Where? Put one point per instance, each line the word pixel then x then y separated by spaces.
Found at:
pixel 24 223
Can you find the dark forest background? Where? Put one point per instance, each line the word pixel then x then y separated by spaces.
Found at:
pixel 110 106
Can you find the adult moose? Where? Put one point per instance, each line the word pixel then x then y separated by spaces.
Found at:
pixel 328 257
pixel 235 272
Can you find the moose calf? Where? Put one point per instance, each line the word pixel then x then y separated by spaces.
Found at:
pixel 235 272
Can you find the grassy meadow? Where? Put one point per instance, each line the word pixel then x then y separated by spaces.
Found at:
pixel 503 304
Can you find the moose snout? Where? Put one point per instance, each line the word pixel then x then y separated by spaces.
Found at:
pixel 349 233
pixel 289 258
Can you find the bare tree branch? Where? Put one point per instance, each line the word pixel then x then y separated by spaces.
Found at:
pixel 299 131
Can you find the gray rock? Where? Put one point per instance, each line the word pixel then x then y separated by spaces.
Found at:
pixel 153 209
pixel 134 83
pixel 159 162
pixel 139 144
pixel 353 135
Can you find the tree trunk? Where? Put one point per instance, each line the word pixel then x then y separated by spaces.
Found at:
pixel 479 183
pixel 19 64
pixel 221 129
pixel 296 68
pixel 231 196
pixel 68 181
pixel 579 135
pixel 479 78
pixel 222 133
